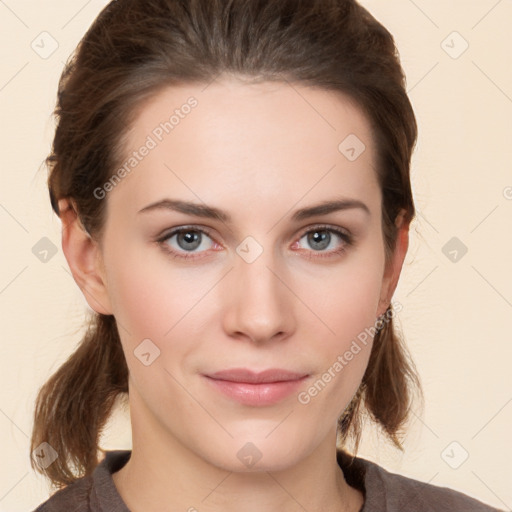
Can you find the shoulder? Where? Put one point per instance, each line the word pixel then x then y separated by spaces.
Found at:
pixel 392 492
pixel 74 497
pixel 405 493
pixel 91 493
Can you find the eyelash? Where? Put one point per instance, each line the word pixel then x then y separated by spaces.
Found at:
pixel 346 237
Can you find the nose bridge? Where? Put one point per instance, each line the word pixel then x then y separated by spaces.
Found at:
pixel 257 278
pixel 260 305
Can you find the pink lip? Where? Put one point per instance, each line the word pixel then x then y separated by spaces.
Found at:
pixel 263 388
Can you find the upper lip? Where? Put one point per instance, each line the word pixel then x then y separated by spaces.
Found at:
pixel 252 377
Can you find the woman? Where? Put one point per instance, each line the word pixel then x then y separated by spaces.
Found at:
pixel 233 182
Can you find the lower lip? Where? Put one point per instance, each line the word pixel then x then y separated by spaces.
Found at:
pixel 264 393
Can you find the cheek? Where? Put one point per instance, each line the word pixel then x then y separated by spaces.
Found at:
pixel 344 352
pixel 136 303
pixel 148 304
pixel 349 296
pixel 348 310
pixel 154 299
pixel 144 300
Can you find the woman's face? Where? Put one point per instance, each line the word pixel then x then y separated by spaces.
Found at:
pixel 272 282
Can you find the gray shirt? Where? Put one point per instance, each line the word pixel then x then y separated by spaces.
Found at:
pixel 384 491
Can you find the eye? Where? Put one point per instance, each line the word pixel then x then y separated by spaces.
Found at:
pixel 187 240
pixel 321 237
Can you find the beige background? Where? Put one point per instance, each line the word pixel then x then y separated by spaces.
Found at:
pixel 456 315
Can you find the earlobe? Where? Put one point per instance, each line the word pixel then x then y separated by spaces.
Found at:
pixel 394 268
pixel 83 257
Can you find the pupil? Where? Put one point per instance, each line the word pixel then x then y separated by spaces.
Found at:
pixel 189 237
pixel 320 237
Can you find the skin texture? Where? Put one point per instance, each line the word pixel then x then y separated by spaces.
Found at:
pixel 258 152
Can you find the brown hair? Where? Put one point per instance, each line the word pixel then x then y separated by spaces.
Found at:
pixel 133 49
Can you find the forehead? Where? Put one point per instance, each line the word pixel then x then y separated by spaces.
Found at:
pixel 237 140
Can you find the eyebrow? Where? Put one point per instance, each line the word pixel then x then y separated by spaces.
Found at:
pixel 209 212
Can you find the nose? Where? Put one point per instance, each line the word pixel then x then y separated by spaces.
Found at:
pixel 259 305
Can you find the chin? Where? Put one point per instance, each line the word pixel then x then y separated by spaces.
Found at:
pixel 256 454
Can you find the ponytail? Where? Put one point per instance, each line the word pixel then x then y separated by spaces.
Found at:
pixel 73 406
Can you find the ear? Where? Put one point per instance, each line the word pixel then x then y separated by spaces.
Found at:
pixel 84 259
pixel 394 266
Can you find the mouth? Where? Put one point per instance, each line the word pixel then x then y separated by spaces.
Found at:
pixel 245 386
